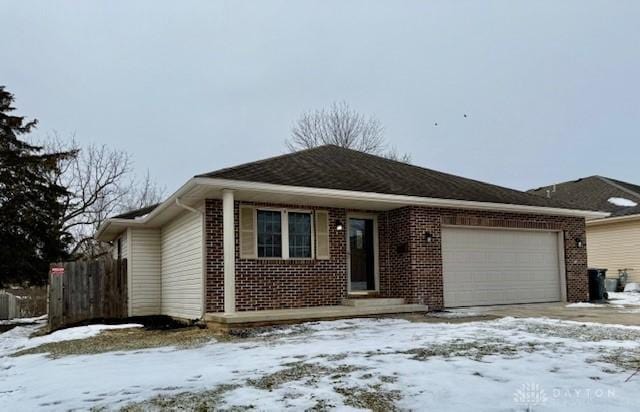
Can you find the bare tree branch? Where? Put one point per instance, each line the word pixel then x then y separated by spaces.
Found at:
pixel 341 126
pixel 100 183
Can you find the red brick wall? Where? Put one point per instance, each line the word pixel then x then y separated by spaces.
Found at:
pixel 278 284
pixel 421 264
pixel 214 266
pixel 414 274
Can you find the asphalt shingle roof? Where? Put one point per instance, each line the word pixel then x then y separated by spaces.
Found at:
pixel 333 167
pixel 132 214
pixel 593 193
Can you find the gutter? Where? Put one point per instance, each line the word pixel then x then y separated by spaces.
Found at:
pixel 394 199
pixel 170 200
pixel 616 219
pixel 345 195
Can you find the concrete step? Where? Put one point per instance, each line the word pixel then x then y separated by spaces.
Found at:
pixel 312 313
pixel 367 302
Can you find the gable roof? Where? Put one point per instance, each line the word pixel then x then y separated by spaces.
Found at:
pixel 593 193
pixel 333 167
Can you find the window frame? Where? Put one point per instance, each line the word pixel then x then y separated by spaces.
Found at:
pixel 284 235
pixel 312 240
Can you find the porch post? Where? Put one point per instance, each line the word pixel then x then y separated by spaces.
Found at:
pixel 229 251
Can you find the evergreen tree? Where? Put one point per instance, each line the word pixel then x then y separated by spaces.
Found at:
pixel 30 204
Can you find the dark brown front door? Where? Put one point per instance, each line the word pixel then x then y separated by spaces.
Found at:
pixel 361 250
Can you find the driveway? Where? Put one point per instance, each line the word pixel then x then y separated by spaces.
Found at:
pixel 621 309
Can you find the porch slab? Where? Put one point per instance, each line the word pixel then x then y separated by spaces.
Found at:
pixel 311 313
pixel 373 302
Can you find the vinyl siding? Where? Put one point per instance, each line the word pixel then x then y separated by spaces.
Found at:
pixel 124 246
pixel 615 246
pixel 145 269
pixel 182 267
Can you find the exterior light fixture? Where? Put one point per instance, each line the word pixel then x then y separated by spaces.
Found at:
pixel 339 226
pixel 578 242
pixel 428 237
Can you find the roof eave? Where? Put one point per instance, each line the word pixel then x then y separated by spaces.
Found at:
pixel 398 199
pixel 613 219
pixel 155 212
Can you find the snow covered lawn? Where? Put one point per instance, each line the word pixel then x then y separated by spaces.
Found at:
pixel 382 364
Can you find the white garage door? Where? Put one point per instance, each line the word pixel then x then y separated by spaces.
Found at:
pixel 492 266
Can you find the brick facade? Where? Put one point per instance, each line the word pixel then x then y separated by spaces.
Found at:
pixel 416 272
pixel 409 266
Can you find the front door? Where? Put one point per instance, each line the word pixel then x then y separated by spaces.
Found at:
pixel 362 266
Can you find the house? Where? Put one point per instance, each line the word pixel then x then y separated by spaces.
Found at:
pixel 316 228
pixel 613 242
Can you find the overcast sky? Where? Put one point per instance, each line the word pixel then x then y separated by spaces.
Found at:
pixel 551 88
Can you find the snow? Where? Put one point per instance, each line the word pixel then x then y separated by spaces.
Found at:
pixel 585 305
pixel 632 287
pixel 17 321
pixel 621 201
pixel 455 313
pixel 593 305
pixel 624 298
pixel 560 362
pixel 18 338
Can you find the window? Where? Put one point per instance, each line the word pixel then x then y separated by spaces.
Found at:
pixel 269 233
pixel 276 233
pixel 299 235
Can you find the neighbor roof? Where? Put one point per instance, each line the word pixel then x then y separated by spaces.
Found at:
pixel 593 193
pixel 136 213
pixel 333 167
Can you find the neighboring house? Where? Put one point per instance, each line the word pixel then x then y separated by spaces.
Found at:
pixel 311 228
pixel 612 242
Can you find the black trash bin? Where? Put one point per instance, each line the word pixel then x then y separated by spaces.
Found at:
pixel 597 290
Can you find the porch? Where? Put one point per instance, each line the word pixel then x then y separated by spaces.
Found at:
pixel 348 309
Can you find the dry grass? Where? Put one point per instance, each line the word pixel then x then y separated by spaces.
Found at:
pixel 209 400
pixel 296 371
pixel 125 340
pixel 374 398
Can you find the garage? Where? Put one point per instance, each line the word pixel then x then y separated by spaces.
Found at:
pixel 500 266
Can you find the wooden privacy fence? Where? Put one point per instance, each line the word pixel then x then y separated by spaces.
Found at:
pixel 87 289
pixel 8 306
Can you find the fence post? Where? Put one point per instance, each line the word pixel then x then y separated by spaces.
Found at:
pixel 55 296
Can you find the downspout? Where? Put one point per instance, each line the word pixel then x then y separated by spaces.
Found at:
pixel 204 254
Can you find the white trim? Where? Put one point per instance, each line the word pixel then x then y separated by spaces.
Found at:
pixel 616 219
pixel 311 214
pixel 388 198
pixel 229 251
pixel 129 274
pixel 189 208
pixel 563 267
pixel 345 195
pixel 284 234
pixel 203 216
pixel 376 262
pixel 518 229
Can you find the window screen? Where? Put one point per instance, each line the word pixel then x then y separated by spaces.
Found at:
pixel 269 233
pixel 299 235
